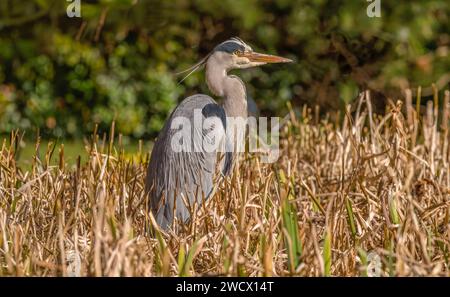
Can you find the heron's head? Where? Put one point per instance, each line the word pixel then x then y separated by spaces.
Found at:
pixel 236 54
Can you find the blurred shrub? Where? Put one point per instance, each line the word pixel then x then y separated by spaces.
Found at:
pixel 117 62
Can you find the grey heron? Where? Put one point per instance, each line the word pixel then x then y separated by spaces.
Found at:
pixel 178 179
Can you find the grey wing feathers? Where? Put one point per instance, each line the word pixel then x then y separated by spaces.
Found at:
pixel 176 178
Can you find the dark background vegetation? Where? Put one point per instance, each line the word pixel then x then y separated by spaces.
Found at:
pixel 118 61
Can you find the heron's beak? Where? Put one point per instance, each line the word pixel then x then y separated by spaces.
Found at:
pixel 257 57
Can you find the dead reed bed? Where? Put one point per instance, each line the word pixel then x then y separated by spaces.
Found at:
pixel 368 195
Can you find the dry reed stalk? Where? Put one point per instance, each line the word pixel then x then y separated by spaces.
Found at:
pixel 340 193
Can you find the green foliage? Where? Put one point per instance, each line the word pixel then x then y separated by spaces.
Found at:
pixel 292 239
pixel 327 253
pixel 117 62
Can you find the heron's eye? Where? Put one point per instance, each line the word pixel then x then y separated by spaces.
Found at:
pixel 237 52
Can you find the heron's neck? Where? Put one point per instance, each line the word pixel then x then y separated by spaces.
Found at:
pixel 230 87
